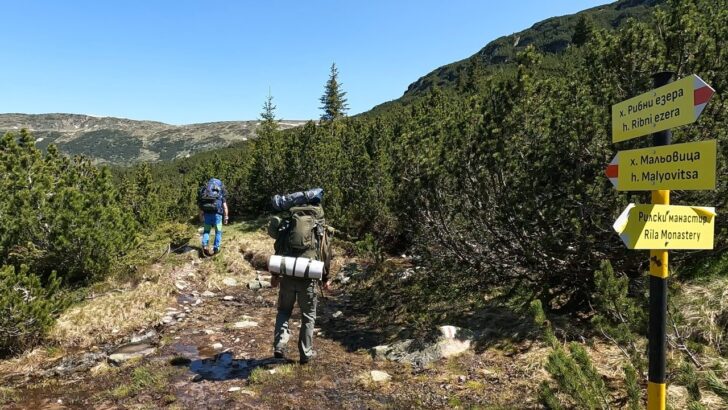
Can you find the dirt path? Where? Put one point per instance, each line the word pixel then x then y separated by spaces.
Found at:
pixel 219 355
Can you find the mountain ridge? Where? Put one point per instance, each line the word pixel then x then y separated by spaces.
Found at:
pixel 552 35
pixel 123 141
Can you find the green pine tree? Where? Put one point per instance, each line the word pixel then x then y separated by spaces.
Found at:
pixel 334 99
pixel 28 306
pixel 582 31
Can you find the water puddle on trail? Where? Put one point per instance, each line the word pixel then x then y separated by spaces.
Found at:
pixel 184 299
pixel 134 348
pixel 210 365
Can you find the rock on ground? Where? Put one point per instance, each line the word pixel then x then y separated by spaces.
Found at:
pixel 130 351
pixel 245 324
pixel 379 376
pixel 258 284
pixel 452 341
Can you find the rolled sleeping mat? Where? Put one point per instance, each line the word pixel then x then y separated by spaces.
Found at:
pixel 287 201
pixel 297 267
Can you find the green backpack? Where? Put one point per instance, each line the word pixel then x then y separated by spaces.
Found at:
pixel 302 232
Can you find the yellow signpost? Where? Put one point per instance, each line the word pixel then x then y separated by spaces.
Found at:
pixel 659 226
pixel 689 166
pixel 672 105
pixel 666 227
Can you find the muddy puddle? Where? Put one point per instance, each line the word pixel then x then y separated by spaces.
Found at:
pixel 208 364
pixel 186 299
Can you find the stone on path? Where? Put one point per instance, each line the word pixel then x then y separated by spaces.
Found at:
pixel 228 298
pixel 245 324
pixel 338 314
pixel 167 320
pixel 258 284
pixel 130 351
pixel 208 294
pixel 379 352
pixel 234 389
pixel 452 341
pixel 230 282
pixel 379 376
pixel 217 346
pixel 144 337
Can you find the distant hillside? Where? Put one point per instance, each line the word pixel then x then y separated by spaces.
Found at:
pixel 552 35
pixel 120 141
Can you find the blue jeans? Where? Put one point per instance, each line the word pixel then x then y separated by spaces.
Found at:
pixel 212 220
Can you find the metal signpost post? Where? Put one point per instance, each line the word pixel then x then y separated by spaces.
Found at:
pixel 659 227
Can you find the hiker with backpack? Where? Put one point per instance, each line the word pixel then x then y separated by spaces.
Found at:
pixel 211 199
pixel 301 261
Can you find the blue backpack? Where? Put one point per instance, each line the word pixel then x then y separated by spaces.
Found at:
pixel 210 197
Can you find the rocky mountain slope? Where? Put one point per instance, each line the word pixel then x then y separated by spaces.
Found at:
pixel 119 141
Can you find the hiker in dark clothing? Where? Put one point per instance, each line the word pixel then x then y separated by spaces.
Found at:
pixel 302 236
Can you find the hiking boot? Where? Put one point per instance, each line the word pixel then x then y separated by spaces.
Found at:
pixel 306 359
pixel 278 354
pixel 207 251
pixel 216 251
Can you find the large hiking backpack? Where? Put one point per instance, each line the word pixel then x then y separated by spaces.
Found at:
pixel 210 196
pixel 302 232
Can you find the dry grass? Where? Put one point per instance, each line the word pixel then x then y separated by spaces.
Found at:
pixel 7 395
pixel 31 361
pixel 704 309
pixel 129 309
pixel 115 314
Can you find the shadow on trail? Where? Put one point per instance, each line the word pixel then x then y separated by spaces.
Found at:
pixel 225 367
pixel 352 330
pixel 377 314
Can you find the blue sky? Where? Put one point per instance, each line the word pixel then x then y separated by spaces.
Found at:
pixel 185 61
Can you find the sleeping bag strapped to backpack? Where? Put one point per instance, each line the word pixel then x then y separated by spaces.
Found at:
pixel 312 196
pixel 210 196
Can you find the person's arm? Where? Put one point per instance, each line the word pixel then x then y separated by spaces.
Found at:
pixel 225 213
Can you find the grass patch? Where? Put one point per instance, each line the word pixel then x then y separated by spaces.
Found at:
pixel 455 365
pixel 105 318
pixel 261 376
pixel 474 386
pixel 7 395
pixel 699 311
pixel 150 378
pixel 454 402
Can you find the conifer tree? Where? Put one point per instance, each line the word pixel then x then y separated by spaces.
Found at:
pixel 267 168
pixel 269 125
pixel 334 99
pixel 582 31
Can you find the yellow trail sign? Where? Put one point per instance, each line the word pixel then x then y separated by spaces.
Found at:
pixel 669 106
pixel 689 166
pixel 666 227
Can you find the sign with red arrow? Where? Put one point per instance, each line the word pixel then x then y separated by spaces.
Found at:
pixel 672 105
pixel 689 166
